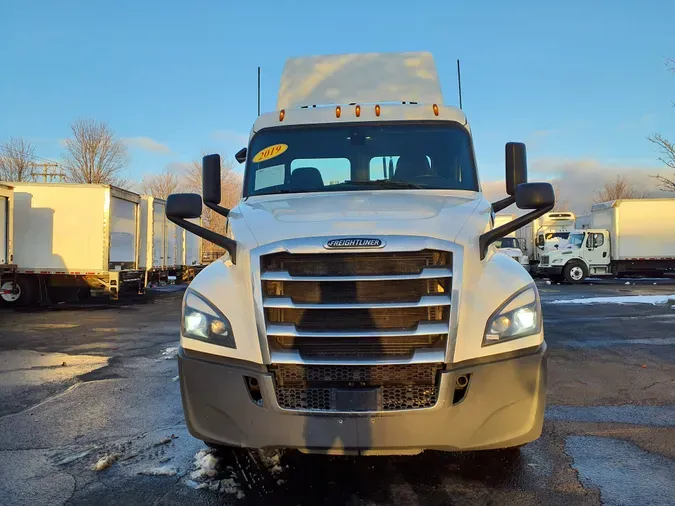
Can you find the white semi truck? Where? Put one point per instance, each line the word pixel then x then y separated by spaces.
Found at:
pixel 7 265
pixel 73 237
pixel 361 309
pixel 628 236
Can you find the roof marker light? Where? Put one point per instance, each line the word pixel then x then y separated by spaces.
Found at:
pixel 358 111
pixel 282 115
pixel 377 110
pixel 338 111
pixel 435 109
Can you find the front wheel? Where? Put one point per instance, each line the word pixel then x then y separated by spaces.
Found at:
pixel 575 272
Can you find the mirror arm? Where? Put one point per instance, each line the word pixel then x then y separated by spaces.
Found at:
pixel 497 233
pixel 503 204
pixel 223 211
pixel 219 240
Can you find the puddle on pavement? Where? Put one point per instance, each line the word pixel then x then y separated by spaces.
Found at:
pixel 26 368
pixel 656 416
pixel 624 473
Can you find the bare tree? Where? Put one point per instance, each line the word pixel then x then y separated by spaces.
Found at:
pixel 620 188
pixel 230 191
pixel 561 204
pixel 666 148
pixel 160 185
pixel 16 160
pixel 94 155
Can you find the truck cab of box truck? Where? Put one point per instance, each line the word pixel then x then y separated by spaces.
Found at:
pixel 586 252
pixel 361 307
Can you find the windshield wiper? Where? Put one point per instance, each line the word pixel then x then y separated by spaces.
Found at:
pixel 386 183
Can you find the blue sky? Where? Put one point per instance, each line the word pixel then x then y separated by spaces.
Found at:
pixel 577 80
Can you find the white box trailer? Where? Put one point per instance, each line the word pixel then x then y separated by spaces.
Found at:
pixel 628 236
pixel 7 265
pixel 165 249
pixel 75 236
pixel 639 229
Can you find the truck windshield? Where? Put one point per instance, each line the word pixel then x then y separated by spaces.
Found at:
pixel 360 157
pixel 507 242
pixel 576 240
pixel 557 235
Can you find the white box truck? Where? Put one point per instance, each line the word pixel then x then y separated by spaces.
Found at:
pixel 74 237
pixel 7 265
pixel 510 244
pixel 550 232
pixel 362 310
pixel 628 236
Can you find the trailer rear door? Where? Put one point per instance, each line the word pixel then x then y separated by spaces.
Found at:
pixel 171 260
pixel 123 227
pixel 158 234
pixel 4 230
pixel 192 249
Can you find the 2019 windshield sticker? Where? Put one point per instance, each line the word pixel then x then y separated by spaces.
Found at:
pixel 269 152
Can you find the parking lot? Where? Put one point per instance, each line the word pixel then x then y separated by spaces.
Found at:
pixel 96 385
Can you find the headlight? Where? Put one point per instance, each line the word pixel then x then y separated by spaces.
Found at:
pixel 557 261
pixel 519 316
pixel 201 320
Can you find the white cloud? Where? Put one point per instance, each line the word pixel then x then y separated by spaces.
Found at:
pixel 147 144
pixel 577 181
pixel 230 136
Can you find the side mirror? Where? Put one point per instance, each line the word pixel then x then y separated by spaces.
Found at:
pixel 516 173
pixel 537 196
pixel 534 195
pixel 241 155
pixel 181 207
pixel 516 166
pixel 211 184
pixel 184 206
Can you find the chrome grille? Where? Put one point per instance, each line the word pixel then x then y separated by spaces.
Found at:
pixel 357 304
pixel 544 260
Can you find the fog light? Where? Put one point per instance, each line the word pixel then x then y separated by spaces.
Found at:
pixel 500 325
pixel 219 328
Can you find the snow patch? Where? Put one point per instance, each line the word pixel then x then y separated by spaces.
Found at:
pixel 628 299
pixel 175 378
pixel 204 476
pixel 548 282
pixel 272 461
pixel 169 353
pixel 627 283
pixel 105 462
pixel 160 471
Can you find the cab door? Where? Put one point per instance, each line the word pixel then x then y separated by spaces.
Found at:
pixel 596 248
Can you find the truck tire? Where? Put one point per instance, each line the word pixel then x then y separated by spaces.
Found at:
pixel 25 294
pixel 575 272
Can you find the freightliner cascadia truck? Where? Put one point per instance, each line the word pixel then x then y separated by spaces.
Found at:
pixel 361 307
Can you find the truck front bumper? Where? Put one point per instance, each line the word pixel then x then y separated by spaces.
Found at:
pixel 550 270
pixel 503 406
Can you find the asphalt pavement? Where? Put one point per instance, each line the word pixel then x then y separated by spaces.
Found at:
pixel 95 386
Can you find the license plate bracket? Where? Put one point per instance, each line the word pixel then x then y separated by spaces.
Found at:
pixel 358 399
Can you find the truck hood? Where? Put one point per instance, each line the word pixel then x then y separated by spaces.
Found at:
pixel 512 252
pixel 430 213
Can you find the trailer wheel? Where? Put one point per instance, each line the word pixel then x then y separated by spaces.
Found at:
pixel 575 272
pixel 21 295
